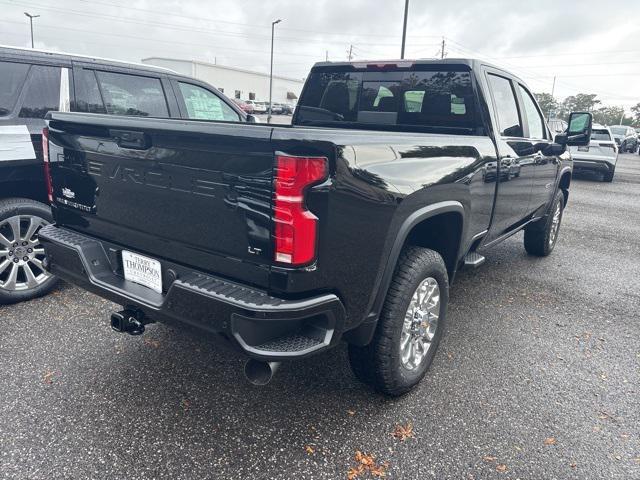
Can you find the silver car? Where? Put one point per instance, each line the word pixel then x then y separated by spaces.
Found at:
pixel 626 137
pixel 600 155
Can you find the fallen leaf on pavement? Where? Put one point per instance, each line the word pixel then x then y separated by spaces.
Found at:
pixel 351 412
pixel 488 458
pixel 550 441
pixel 501 468
pixel 48 377
pixel 367 463
pixel 402 432
pixel 309 449
pixel 573 465
pixel 153 343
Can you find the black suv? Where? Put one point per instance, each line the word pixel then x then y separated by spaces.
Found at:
pixel 35 82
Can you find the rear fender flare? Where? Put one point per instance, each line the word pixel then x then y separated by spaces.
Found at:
pixel 363 334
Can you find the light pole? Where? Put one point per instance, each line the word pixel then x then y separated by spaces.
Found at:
pixel 404 27
pixel 273 27
pixel 31 17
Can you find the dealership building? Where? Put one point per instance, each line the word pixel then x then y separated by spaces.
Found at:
pixel 234 82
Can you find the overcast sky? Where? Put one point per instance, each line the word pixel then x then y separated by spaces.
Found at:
pixel 591 48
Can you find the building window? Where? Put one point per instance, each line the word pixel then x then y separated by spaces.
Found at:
pixel 252 96
pixel 237 95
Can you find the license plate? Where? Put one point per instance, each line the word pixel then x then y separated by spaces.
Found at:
pixel 143 270
pixel 583 149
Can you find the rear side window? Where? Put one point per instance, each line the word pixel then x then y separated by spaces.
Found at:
pixel 12 77
pixel 506 106
pixel 534 120
pixel 205 105
pixel 600 134
pixel 88 98
pixel 43 92
pixel 125 94
pixel 429 99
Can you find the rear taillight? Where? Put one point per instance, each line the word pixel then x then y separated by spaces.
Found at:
pixel 47 167
pixel 295 226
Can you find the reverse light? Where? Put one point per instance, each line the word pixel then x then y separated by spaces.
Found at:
pixel 295 226
pixel 46 165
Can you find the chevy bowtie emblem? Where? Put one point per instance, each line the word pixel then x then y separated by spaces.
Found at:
pixel 68 193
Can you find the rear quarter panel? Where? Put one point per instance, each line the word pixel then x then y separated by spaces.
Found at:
pixel 378 179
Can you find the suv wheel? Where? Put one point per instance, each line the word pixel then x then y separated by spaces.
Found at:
pixel 608 177
pixel 410 325
pixel 540 237
pixel 22 275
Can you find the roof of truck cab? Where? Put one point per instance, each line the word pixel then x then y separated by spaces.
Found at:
pixel 51 56
pixel 473 63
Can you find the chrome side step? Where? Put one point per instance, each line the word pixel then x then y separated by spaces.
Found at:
pixel 473 259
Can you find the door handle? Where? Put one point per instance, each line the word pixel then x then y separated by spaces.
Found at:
pixel 131 139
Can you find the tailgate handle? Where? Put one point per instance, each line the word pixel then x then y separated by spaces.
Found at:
pixel 131 139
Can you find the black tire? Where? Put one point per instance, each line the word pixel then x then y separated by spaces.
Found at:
pixel 24 207
pixel 608 177
pixel 538 239
pixel 379 363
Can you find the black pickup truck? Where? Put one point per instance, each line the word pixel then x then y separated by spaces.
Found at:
pixel 348 225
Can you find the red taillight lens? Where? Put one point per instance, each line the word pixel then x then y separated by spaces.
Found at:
pixel 295 226
pixel 47 167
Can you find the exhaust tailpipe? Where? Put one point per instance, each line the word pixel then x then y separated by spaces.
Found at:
pixel 127 321
pixel 258 372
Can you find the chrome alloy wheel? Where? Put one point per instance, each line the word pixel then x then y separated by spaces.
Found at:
pixel 21 253
pixel 420 323
pixel 555 225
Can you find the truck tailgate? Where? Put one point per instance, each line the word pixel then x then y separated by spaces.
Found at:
pixel 196 193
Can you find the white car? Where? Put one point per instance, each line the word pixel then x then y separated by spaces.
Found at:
pixel 600 155
pixel 258 107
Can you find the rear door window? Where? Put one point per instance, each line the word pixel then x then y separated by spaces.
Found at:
pixel 534 119
pixel 43 92
pixel 88 97
pixel 414 98
pixel 205 105
pixel 135 95
pixel 506 106
pixel 12 77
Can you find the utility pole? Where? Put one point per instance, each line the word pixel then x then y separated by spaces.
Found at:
pixel 621 117
pixel 553 89
pixel 273 26
pixel 326 55
pixel 31 17
pixel 404 28
pixel 350 52
pixel 442 54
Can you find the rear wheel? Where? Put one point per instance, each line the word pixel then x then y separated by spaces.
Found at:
pixel 608 177
pixel 410 325
pixel 22 275
pixel 540 237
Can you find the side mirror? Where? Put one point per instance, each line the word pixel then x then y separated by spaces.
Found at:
pixel 579 131
pixel 252 119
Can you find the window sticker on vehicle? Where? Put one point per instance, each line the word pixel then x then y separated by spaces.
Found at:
pixel 457 105
pixel 15 143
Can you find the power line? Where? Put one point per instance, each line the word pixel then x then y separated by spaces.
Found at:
pixel 187 28
pixel 137 37
pixel 544 78
pixel 210 19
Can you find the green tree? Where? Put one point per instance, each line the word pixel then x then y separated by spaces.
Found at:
pixel 582 102
pixel 610 115
pixel 636 113
pixel 548 104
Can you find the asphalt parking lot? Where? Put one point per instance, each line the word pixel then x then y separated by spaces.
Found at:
pixel 538 376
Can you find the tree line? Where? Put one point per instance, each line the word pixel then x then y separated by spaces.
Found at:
pixel 588 102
